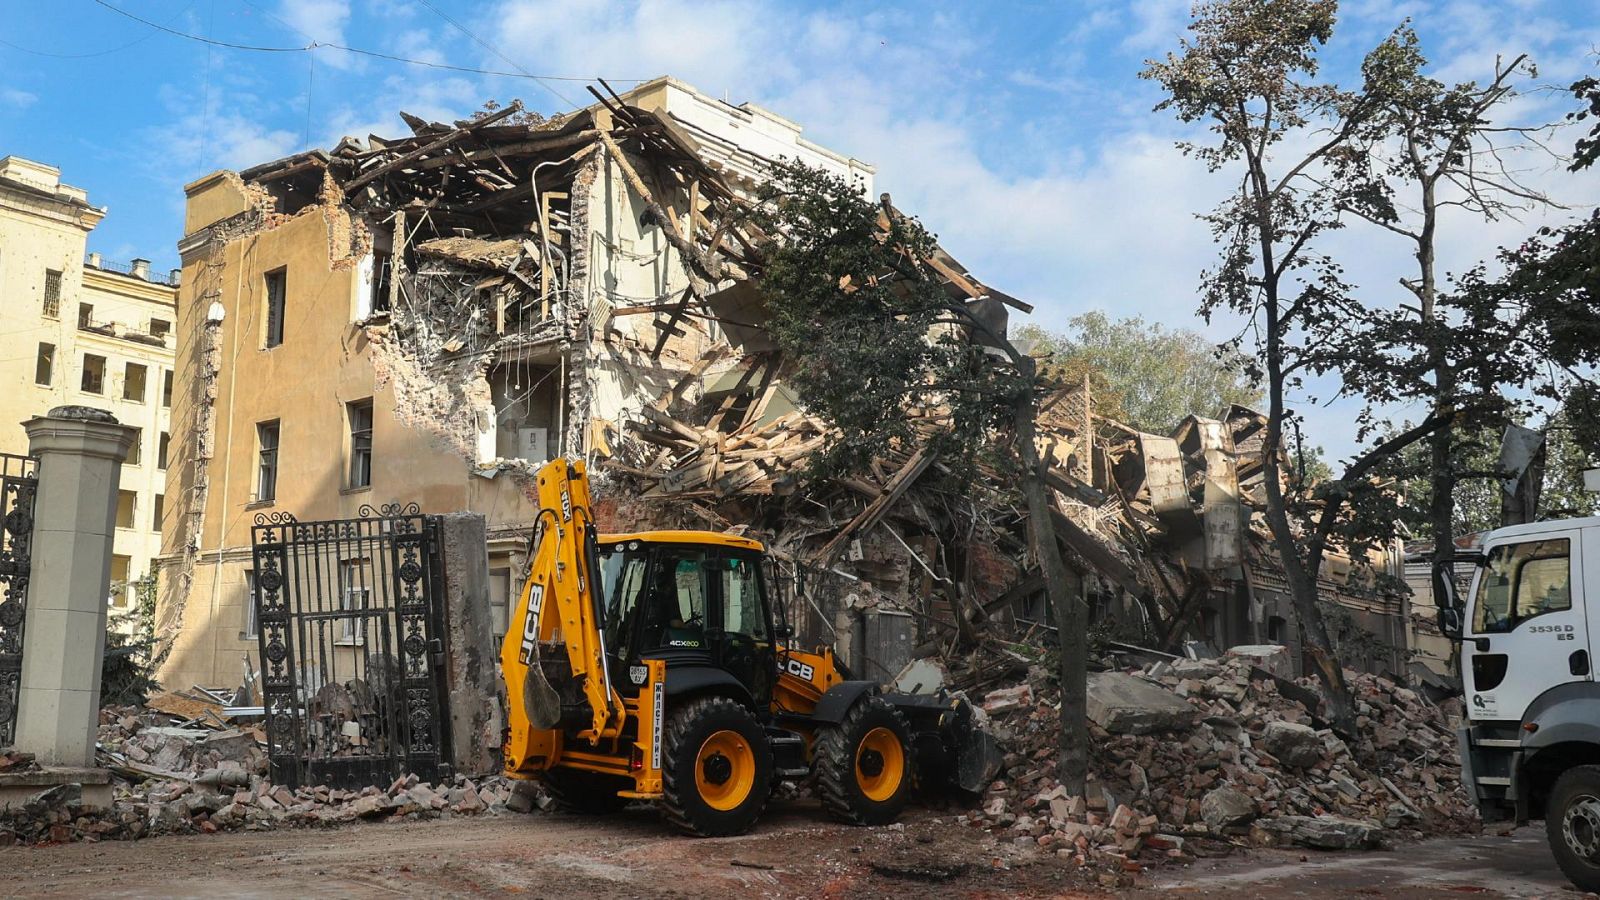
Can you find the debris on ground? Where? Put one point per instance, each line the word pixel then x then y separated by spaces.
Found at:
pixel 178 776
pixel 1246 765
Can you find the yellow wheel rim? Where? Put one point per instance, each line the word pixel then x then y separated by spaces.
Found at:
pixel 725 770
pixel 880 764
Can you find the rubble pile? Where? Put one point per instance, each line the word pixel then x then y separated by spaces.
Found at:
pixel 183 778
pixel 1219 750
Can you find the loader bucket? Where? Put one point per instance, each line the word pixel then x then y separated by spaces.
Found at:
pixel 978 760
pixel 953 750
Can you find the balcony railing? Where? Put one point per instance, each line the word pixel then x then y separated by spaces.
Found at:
pixel 106 265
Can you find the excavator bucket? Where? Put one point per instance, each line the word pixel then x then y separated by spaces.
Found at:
pixel 978 760
pixel 539 699
pixel 953 749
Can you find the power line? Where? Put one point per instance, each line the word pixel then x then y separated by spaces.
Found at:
pixel 313 45
pixel 493 49
pixel 51 55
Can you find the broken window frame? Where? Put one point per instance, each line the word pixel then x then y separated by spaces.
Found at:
pixel 52 294
pixel 275 301
pixel 250 628
pixel 135 449
pixel 94 374
pixel 358 416
pixel 131 520
pixel 163 448
pixel 382 272
pixel 135 375
pixel 352 629
pixel 85 316
pixel 268 437
pixel 166 389
pixel 160 328
pixel 44 368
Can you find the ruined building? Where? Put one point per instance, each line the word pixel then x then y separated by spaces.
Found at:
pixel 424 319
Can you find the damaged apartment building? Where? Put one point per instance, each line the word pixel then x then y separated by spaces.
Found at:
pixel 425 319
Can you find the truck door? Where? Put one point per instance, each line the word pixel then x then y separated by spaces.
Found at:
pixel 1526 606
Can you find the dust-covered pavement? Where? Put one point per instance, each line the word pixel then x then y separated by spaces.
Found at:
pixel 1514 865
pixel 794 852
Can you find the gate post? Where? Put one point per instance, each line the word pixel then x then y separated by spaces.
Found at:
pixel 474 695
pixel 80 452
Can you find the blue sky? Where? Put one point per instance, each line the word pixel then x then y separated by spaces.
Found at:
pixel 1018 131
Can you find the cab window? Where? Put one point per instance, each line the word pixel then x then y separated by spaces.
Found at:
pixel 678 590
pixel 622 574
pixel 743 611
pixel 1521 581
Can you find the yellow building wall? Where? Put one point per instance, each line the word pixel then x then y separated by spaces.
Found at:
pixel 304 383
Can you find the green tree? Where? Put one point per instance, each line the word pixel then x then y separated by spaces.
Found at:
pixel 868 328
pixel 1249 73
pixel 1144 373
pixel 1425 147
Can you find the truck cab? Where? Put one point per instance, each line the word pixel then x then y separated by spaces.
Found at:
pixel 1530 744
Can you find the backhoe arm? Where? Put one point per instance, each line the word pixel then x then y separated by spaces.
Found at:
pixel 560 604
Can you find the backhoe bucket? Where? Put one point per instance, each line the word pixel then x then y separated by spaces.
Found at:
pixel 539 699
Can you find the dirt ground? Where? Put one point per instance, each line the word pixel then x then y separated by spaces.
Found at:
pixel 793 853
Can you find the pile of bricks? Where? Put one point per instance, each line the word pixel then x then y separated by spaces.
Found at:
pixel 1249 765
pixel 157 807
pixel 175 777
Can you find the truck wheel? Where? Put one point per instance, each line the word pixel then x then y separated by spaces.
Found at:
pixel 1572 825
pixel 717 768
pixel 588 793
pixel 865 765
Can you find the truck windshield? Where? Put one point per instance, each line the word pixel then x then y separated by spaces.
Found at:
pixel 1520 581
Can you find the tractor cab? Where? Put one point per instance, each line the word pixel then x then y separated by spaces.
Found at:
pixel 695 599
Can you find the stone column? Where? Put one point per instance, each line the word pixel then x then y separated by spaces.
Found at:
pixel 475 695
pixel 80 453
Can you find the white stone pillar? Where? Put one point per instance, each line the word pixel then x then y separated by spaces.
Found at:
pixel 80 453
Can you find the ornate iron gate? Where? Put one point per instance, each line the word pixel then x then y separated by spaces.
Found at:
pixel 350 622
pixel 19 484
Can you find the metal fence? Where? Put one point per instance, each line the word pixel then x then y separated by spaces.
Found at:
pixel 19 484
pixel 350 615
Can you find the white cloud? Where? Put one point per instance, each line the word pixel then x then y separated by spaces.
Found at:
pixel 322 21
pixel 17 98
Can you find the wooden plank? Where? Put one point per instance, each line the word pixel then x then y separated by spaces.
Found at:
pixel 688 377
pixel 362 180
pixel 875 511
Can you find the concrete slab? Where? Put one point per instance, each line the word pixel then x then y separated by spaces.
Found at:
pixel 17 788
pixel 1125 704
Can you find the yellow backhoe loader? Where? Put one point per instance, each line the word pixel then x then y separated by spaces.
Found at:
pixel 649 667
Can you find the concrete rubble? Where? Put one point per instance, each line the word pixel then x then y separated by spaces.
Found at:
pixel 1247 765
pixel 189 779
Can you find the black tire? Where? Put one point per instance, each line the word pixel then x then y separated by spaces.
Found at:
pixel 585 793
pixel 855 770
pixel 718 740
pixel 1572 825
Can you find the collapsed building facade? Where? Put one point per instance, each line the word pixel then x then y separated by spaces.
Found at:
pixel 425 319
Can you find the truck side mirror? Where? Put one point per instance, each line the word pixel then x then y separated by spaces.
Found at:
pixel 1445 601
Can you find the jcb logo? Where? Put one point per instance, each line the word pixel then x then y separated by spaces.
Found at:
pixel 530 624
pixel 797 668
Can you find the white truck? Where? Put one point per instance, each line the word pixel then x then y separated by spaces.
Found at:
pixel 1530 745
